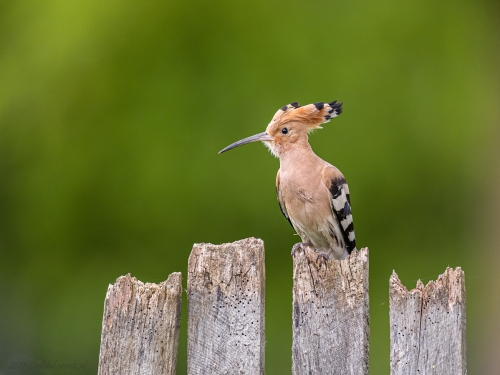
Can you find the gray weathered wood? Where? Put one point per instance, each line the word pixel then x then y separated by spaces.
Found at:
pixel 428 326
pixel 330 314
pixel 226 292
pixel 140 327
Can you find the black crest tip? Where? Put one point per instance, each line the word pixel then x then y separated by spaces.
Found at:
pixel 319 106
pixel 295 104
pixel 284 108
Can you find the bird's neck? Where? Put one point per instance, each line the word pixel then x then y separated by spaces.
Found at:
pixel 299 154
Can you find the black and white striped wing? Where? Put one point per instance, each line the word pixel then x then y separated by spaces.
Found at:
pixel 340 203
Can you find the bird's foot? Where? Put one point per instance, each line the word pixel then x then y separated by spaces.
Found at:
pixel 322 257
pixel 299 246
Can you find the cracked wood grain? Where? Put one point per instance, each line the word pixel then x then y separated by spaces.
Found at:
pixel 140 327
pixel 330 314
pixel 226 301
pixel 428 326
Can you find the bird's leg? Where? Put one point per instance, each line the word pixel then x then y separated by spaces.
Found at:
pixel 300 246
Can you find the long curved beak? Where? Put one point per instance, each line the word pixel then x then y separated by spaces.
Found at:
pixel 263 137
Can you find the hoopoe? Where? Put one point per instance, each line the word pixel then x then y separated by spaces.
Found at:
pixel 313 194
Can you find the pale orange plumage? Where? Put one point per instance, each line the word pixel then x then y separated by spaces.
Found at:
pixel 313 194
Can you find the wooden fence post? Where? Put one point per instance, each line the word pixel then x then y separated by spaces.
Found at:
pixel 428 326
pixel 330 315
pixel 226 300
pixel 140 327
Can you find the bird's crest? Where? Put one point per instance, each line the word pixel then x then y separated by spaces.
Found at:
pixel 312 115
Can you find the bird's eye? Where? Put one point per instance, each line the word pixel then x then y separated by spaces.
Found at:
pixel 284 130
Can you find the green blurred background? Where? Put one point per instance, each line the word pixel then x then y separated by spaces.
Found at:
pixel 112 114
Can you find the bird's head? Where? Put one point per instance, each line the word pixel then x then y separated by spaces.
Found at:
pixel 291 125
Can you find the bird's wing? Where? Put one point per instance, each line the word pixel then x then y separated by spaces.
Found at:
pixel 340 202
pixel 281 200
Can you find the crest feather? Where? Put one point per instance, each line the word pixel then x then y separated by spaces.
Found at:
pixel 313 115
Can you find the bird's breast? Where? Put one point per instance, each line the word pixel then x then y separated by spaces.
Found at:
pixel 304 201
pixel 302 194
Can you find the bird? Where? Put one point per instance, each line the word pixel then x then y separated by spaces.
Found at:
pixel 313 194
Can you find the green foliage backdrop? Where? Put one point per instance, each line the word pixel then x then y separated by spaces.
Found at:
pixel 112 113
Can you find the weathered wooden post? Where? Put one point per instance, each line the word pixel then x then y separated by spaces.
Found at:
pixel 428 326
pixel 140 327
pixel 330 315
pixel 226 300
